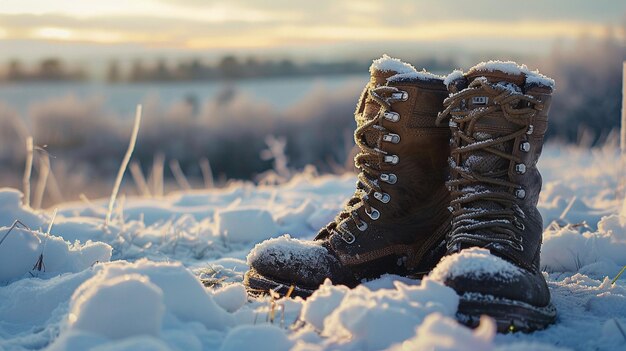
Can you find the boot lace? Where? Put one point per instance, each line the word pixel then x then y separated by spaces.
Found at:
pixel 368 161
pixel 470 188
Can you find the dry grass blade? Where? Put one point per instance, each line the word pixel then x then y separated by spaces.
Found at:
pixel 27 171
pixel 39 265
pixel 618 275
pixel 182 181
pixel 44 171
pixel 13 226
pixel 140 180
pixel 207 173
pixel 120 173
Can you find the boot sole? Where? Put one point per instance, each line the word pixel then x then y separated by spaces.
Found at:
pixel 257 285
pixel 510 315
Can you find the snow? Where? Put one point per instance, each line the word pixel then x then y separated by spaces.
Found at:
pixel 474 262
pixel 387 64
pixel 403 71
pixel 112 307
pixel 443 333
pixel 454 75
pixel 263 337
pixel 231 297
pixel 242 225
pixel 512 68
pixel 21 249
pixel 136 285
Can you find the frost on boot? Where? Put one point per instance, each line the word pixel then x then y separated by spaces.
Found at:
pixel 498 115
pixel 398 214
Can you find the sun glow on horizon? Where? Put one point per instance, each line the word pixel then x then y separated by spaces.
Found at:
pixel 253 24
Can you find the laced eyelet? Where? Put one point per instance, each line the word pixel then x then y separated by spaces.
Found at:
pixel 520 168
pixel 524 147
pixel 391 116
pixel 382 197
pixel 393 159
pixel 362 227
pixel 520 193
pixel 400 96
pixel 374 214
pixel 389 178
pixel 530 130
pixel 392 138
pixel 349 239
pixel 452 123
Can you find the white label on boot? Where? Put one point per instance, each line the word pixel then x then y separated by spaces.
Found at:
pixel 480 100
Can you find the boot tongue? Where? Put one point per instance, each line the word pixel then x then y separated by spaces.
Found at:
pixel 491 127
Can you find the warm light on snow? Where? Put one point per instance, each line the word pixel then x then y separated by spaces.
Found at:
pixel 137 283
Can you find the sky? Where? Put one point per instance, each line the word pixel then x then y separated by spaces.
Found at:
pixel 322 29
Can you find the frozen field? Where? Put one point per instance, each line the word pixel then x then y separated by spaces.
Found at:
pixel 137 284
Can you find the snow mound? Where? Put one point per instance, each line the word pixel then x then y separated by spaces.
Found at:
pixel 323 301
pixel 568 250
pixel 257 337
pixel 403 70
pixel 22 248
pixel 245 225
pixel 364 316
pixel 512 68
pixel 231 297
pixel 112 307
pixel 442 333
pixel 184 296
pixel 12 208
pixel 473 262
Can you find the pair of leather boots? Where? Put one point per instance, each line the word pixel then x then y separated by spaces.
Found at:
pixel 448 186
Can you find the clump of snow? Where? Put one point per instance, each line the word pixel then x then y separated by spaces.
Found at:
pixel 183 295
pixel 245 225
pixel 323 301
pixel 512 68
pixel 231 297
pixel 257 337
pixel 454 75
pixel 473 262
pixel 22 248
pixel 568 250
pixel 120 307
pixel 403 70
pixel 442 333
pixel 365 316
pixel 12 208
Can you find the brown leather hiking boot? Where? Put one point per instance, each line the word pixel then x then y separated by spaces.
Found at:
pixel 398 215
pixel 498 115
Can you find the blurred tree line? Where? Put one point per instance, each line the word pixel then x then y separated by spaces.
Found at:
pixel 227 68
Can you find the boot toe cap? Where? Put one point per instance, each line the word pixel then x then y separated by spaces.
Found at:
pixel 477 271
pixel 294 261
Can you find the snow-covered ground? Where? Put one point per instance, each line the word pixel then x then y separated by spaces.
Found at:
pixel 137 284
